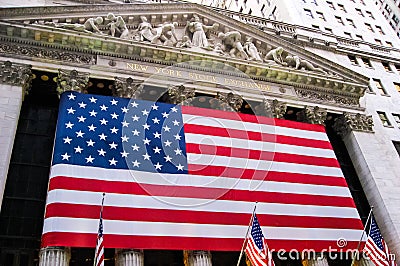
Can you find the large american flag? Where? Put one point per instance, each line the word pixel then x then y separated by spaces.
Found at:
pixel 180 177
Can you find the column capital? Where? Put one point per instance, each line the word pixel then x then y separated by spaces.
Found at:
pixel 50 256
pixel 353 122
pixel 181 95
pixel 228 101
pixel 197 258
pixel 72 80
pixel 271 108
pixel 129 257
pixel 315 115
pixel 128 88
pixel 16 74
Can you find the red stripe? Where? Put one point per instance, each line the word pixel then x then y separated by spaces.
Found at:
pixel 180 243
pixel 131 188
pixel 199 217
pixel 256 136
pixel 206 170
pixel 250 118
pixel 261 155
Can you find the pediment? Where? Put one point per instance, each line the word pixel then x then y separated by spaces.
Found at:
pixel 176 33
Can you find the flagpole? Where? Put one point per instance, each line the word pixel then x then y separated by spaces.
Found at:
pixel 247 233
pixel 101 215
pixel 362 235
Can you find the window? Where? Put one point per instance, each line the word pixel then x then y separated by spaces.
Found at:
pixel 397 68
pixel 351 22
pixel 362 2
pixel 330 4
pixel 384 119
pixel 315 2
pixel 386 66
pixel 389 44
pixel 378 41
pixel 315 27
pixel 353 59
pixel 339 20
pixel 309 13
pixel 369 27
pixel 395 19
pixel 397 119
pixel 397 146
pixel 369 14
pixel 380 29
pixel 359 12
pixel 347 34
pixel 330 30
pixel 321 16
pixel 397 86
pixel 388 9
pixel 366 62
pixel 341 7
pixel 360 37
pixel 379 86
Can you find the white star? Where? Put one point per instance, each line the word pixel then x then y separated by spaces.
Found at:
pixel 156 120
pixel 156 150
pixel 113 162
pixel 82 105
pixel 102 136
pixel 175 122
pixel 65 156
pixel 157 135
pixel 180 167
pixel 69 125
pixel 124 154
pixel 167 143
pixel 90 143
pixel 113 102
pixel 71 111
pixel 135 132
pixel 78 149
pixel 89 159
pixel 124 124
pixel 93 113
pixel 92 127
pixel 124 109
pixel 92 99
pixel 166 128
pixel 158 166
pixel 146 126
pixel 113 145
pixel 102 152
pixel 154 107
pixel 79 134
pixel 114 116
pixel 71 97
pixel 174 109
pixel 103 121
pixel 168 158
pixel 124 138
pixel 145 112
pixel 134 104
pixel 114 130
pixel 103 107
pixel 146 156
pixel 146 141
pixel 136 163
pixel 81 119
pixel 135 118
pixel 67 140
pixel 165 115
pixel 135 147
pixel 178 151
pixel 177 136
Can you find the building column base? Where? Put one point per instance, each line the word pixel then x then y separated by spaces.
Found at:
pixel 197 258
pixel 129 257
pixel 54 256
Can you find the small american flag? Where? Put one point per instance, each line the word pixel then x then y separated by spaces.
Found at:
pixel 99 256
pixel 376 248
pixel 257 249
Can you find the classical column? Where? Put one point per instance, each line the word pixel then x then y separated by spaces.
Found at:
pixel 227 102
pixel 129 257
pixel 15 81
pixel 353 122
pixel 314 115
pixel 320 260
pixel 181 95
pixel 54 256
pixel 127 88
pixel 197 258
pixel 271 108
pixel 72 80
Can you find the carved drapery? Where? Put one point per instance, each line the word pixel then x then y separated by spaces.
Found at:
pixel 129 257
pixel 271 108
pixel 356 122
pixel 197 258
pixel 227 102
pixel 127 88
pixel 181 95
pixel 72 80
pixel 315 115
pixel 16 74
pixel 50 256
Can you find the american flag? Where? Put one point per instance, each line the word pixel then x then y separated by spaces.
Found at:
pixel 99 251
pixel 257 249
pixel 185 178
pixel 376 248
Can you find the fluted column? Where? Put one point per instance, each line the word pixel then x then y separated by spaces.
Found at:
pixel 271 108
pixel 72 80
pixel 320 260
pixel 181 95
pixel 54 256
pixel 227 102
pixel 197 258
pixel 15 80
pixel 129 257
pixel 128 88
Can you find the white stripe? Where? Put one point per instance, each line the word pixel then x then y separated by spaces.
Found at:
pixel 257 145
pixel 191 204
pixel 142 228
pixel 244 163
pixel 254 127
pixel 120 175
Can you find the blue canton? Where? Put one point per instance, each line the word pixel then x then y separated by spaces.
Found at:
pixel 257 234
pixel 375 234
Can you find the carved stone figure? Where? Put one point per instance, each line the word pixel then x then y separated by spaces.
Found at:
pixel 298 63
pixel 251 50
pixel 185 42
pixel 90 25
pixel 197 31
pixel 276 55
pixel 117 26
pixel 163 31
pixel 145 30
pixel 231 42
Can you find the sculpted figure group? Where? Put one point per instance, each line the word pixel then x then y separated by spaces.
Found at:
pixel 195 34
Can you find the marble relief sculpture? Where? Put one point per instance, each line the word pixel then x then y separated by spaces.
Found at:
pixel 145 30
pixel 91 25
pixel 231 43
pixel 251 50
pixel 196 30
